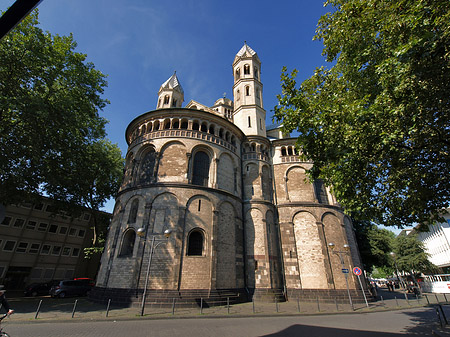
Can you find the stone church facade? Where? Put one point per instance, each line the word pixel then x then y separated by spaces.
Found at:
pixel 245 219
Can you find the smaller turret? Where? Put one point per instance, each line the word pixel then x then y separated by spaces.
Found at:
pixel 171 94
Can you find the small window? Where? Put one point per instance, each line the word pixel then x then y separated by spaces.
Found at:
pixel 22 247
pixel 72 231
pixel 34 248
pixel 45 249
pixel 87 216
pixel 18 223
pixel 246 69
pixel 9 246
pixel 50 209
pixel 56 250
pixel 6 221
pixel 66 251
pixel 75 252
pixel 81 233
pixel 53 229
pixel 249 122
pixel 128 243
pixel 62 230
pixel 247 91
pixel 31 225
pixel 166 99
pixel 42 227
pixel 39 207
pixel 195 243
pixel 135 206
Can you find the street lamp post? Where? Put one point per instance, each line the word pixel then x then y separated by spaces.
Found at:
pixel 392 254
pixel 153 246
pixel 340 254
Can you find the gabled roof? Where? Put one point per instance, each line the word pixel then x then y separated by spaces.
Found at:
pixel 172 83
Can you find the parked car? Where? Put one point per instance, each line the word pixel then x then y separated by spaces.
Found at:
pixel 39 289
pixel 70 288
pixel 87 280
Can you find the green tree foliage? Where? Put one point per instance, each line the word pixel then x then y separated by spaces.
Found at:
pixel 52 136
pixel 377 123
pixel 410 255
pixel 374 245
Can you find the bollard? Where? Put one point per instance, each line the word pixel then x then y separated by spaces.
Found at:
pixel 437 299
pixel 201 305
pixel 276 303
pixel 38 308
pixel 228 305
pixel 107 308
pixel 173 306
pixel 396 300
pixel 318 304
pixel 443 315
pixel 298 303
pixel 336 303
pixel 406 298
pixel 253 304
pixel 74 307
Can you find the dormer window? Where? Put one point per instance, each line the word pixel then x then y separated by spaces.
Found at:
pixel 246 69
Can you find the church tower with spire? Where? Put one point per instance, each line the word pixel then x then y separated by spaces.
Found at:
pixel 249 114
pixel 171 94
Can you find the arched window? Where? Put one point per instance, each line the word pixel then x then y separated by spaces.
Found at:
pixel 184 124
pixel 204 128
pixel 156 128
pixel 195 243
pixel 283 151
pixel 238 73
pixel 290 150
pixel 167 124
pixel 147 167
pixel 166 99
pixel 200 170
pixel 246 69
pixel 247 91
pixel 128 243
pixel 211 129
pixel 195 126
pixel 255 71
pixel 133 211
pixel 174 103
pixel 176 124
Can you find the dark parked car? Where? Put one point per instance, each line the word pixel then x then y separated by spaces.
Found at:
pixel 70 288
pixel 37 289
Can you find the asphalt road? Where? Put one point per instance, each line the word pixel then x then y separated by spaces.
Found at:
pixel 411 322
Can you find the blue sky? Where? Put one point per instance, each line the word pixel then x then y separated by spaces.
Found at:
pixel 140 43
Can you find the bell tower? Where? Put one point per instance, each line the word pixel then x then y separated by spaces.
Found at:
pixel 249 114
pixel 171 94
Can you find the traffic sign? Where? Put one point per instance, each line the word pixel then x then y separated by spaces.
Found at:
pixel 345 270
pixel 357 271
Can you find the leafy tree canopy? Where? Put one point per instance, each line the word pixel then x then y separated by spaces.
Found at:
pixel 377 123
pixel 410 255
pixel 52 136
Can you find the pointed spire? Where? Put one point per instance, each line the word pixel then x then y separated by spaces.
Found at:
pixel 246 51
pixel 172 83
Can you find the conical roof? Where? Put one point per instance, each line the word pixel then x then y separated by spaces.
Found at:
pixel 172 83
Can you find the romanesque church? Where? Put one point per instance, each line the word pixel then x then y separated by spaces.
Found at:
pixel 245 219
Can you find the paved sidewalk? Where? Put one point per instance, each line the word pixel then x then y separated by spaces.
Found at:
pixel 55 309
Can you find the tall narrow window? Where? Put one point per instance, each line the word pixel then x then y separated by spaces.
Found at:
pixel 147 167
pixel 200 169
pixel 128 243
pixel 255 71
pixel 247 91
pixel 195 243
pixel 246 69
pixel 166 99
pixel 249 122
pixel 133 211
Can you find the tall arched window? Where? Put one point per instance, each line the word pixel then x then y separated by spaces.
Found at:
pixel 246 69
pixel 147 167
pixel 166 99
pixel 133 211
pixel 200 170
pixel 247 91
pixel 128 243
pixel 195 243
